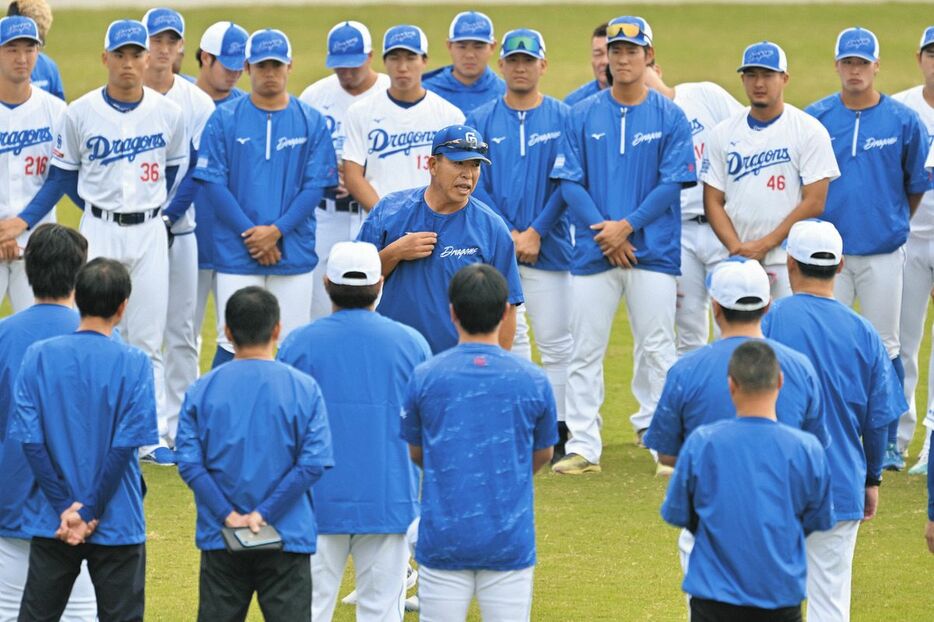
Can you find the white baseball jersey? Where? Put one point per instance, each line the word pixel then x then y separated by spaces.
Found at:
pixel 705 104
pixel 26 135
pixel 121 157
pixel 922 223
pixel 762 171
pixel 394 143
pixel 197 107
pixel 328 97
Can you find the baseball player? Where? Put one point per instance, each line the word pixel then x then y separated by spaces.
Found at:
pixel 880 146
pixel 388 136
pixel 860 397
pixel 29 119
pixel 772 467
pixel 524 129
pixel 45 74
pixel 265 162
pixel 350 55
pixel 468 82
pixel 480 422
pixel 766 167
pixel 121 147
pixel 598 63
pixel 705 104
pixel 623 160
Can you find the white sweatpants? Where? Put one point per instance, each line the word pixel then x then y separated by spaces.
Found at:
pixel 13 283
pixel 14 566
pixel 916 295
pixel 547 305
pixel 650 299
pixel 293 293
pixel 380 562
pixel 876 281
pixel 445 595
pixel 332 227
pixel 181 340
pixel 830 572
pixel 701 250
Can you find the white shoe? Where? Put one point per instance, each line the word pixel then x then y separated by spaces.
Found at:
pixel 411 603
pixel 350 599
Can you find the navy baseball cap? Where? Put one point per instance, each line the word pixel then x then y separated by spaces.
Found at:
pixel 18 27
pixel 268 44
pixel 126 32
pixel 857 42
pixel 927 38
pixel 523 41
pixel 471 26
pixel 629 29
pixel 405 37
pixel 349 43
pixel 764 55
pixel 460 143
pixel 227 42
pixel 161 20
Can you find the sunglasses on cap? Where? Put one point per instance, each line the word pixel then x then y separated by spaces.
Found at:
pixel 521 43
pixel 628 29
pixel 459 144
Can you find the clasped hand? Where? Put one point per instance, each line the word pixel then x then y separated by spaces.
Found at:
pixel 73 529
pixel 613 239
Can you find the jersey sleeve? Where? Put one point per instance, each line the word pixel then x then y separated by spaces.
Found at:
pixel 410 416
pixel 354 140
pixel 545 433
pixel 188 439
pixel 818 160
pixel 136 423
pixel 25 426
pixel 212 165
pixel 678 507
pixel 817 514
pixel 814 421
pixel 886 401
pixel 666 432
pixel 504 260
pixel 66 154
pixel 176 151
pixel 569 159
pixel 917 179
pixel 726 105
pixel 372 230
pixel 316 441
pixel 713 168
pixel 321 164
pixel 677 161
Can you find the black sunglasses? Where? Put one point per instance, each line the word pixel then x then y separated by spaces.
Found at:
pixel 459 144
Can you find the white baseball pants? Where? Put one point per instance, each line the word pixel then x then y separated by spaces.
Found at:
pixel 650 299
pixel 380 563
pixel 14 566
pixel 292 291
pixel 445 595
pixel 830 572
pixel 876 281
pixel 181 340
pixel 916 295
pixel 778 279
pixel 332 227
pixel 13 283
pixel 701 250
pixel 547 305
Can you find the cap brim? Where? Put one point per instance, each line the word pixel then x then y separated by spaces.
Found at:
pixel 232 63
pixel 21 37
pixel 526 52
pixel 469 38
pixel 408 48
pixel 463 156
pixel 167 29
pixel 926 44
pixel 258 59
pixel 345 61
pixel 743 68
pixel 865 57
pixel 114 48
pixel 641 42
pixel 739 306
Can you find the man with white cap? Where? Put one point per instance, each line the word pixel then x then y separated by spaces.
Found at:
pixel 468 82
pixel 350 55
pixel 363 505
pixel 860 397
pixel 880 146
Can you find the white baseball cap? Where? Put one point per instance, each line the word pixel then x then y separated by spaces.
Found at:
pixel 738 278
pixel 227 42
pixel 354 263
pixel 812 237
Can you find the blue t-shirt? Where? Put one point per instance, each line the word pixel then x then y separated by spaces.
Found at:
pixel 478 413
pixel 620 154
pixel 523 146
pixel 474 234
pixel 750 489
pixel 881 153
pixel 487 87
pixel 17 333
pixel 81 395
pixel 363 362
pixel 266 159
pixel 249 422
pixel 46 76
pixel 696 393
pixel 859 390
pixel 582 92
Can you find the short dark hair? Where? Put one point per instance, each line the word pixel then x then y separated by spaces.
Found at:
pixel 479 295
pixel 251 315
pixel 754 367
pixel 53 256
pixel 734 316
pixel 600 31
pixel 822 273
pixel 198 58
pixel 101 287
pixel 352 296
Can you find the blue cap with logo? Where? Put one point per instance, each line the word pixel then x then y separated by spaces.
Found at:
pixel 126 32
pixel 629 29
pixel 18 27
pixel 523 41
pixel 227 42
pixel 858 43
pixel 927 38
pixel 764 55
pixel 161 20
pixel 349 43
pixel 268 44
pixel 460 143
pixel 471 26
pixel 405 37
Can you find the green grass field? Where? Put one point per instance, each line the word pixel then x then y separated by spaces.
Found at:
pixel 604 553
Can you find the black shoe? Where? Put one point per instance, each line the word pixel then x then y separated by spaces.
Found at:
pixel 562 439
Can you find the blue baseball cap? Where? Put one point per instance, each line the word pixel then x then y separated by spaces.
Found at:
pixel 927 38
pixel 460 143
pixel 765 55
pixel 523 41
pixel 405 37
pixel 629 29
pixel 161 20
pixel 268 44
pixel 18 27
pixel 349 44
pixel 857 42
pixel 227 42
pixel 126 32
pixel 471 26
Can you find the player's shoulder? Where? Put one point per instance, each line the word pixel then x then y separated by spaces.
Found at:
pixel 823 106
pixel 191 94
pixel 484 112
pixel 440 105
pixel 910 95
pixel 92 98
pixel 905 113
pixel 399 202
pixel 437 77
pixel 305 109
pixel 553 105
pixel 482 211
pixel 41 99
pixel 366 106
pixel 790 359
pixel 319 88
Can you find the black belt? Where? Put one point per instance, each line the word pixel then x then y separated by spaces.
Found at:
pixel 341 205
pixel 701 220
pixel 124 220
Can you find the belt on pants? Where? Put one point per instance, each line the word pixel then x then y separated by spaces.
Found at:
pixel 339 205
pixel 125 219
